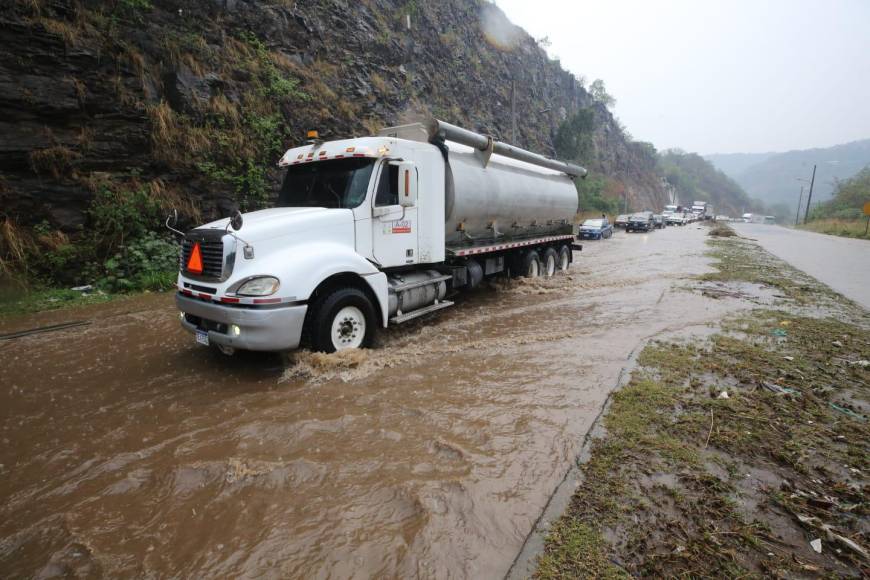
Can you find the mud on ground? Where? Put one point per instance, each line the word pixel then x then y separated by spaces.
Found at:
pixel 745 454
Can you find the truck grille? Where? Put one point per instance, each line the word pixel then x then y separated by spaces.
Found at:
pixel 212 250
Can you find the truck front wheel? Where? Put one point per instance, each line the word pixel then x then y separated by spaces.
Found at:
pixel 342 319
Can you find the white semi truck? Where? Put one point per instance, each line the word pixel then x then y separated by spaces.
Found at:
pixel 702 210
pixel 375 231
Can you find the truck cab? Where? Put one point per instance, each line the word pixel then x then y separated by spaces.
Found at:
pixel 346 211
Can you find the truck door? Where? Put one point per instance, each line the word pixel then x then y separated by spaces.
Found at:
pixel 394 215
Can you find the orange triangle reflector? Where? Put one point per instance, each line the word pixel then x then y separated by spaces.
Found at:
pixel 194 263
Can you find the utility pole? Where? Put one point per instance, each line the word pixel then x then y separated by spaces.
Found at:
pixel 810 195
pixel 797 216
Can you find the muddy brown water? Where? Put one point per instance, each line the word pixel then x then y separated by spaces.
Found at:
pixel 127 450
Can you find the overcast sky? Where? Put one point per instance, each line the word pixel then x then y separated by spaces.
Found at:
pixel 715 76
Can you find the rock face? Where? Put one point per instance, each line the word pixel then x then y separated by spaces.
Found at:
pixel 200 96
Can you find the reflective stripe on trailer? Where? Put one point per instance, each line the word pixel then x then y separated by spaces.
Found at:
pixel 510 245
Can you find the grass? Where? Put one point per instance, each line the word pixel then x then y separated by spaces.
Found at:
pixel 838 227
pixel 740 261
pixel 666 490
pixel 29 302
pixel 55 161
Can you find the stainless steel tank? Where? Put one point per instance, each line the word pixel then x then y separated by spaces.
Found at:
pixel 496 191
pixel 504 200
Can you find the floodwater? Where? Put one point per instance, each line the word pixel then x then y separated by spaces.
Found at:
pixel 127 450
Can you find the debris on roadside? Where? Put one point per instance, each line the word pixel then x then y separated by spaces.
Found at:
pixel 779 390
pixel 847 411
pixel 832 536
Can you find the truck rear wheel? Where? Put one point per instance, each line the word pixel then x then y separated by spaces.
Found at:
pixel 564 258
pixel 344 318
pixel 551 258
pixel 531 265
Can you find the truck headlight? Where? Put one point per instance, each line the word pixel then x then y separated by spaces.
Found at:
pixel 259 286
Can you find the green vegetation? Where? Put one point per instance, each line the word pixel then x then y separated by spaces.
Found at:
pixel 231 137
pixel 574 142
pixel 600 95
pixel 147 263
pixel 118 251
pixel 590 192
pixel 847 228
pixel 843 215
pixel 28 301
pixel 684 482
pixel 695 178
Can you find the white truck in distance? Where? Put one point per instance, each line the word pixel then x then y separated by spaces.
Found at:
pixel 375 231
pixel 702 210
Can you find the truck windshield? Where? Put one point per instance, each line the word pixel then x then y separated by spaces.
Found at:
pixel 337 183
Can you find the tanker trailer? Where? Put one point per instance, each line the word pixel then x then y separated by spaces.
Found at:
pixel 371 232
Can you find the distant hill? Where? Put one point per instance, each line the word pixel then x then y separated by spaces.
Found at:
pixel 696 178
pixel 733 164
pixel 772 178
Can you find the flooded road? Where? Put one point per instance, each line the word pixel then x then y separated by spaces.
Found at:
pixel 128 450
pixel 841 263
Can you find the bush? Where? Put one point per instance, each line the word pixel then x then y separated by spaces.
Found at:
pixel 118 216
pixel 590 196
pixel 147 263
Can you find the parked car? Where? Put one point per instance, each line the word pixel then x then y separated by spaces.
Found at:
pixel 659 221
pixel 641 222
pixel 596 229
pixel 621 221
pixel 677 219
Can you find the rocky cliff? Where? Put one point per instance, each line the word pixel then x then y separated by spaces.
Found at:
pixel 192 102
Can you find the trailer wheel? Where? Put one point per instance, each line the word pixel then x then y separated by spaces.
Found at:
pixel 531 265
pixel 344 318
pixel 551 258
pixel 564 258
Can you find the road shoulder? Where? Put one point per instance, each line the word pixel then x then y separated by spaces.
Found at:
pixel 745 452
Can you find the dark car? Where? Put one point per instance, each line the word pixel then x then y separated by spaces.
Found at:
pixel 596 229
pixel 641 222
pixel 660 221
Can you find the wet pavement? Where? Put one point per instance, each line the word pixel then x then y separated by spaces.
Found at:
pixel 841 263
pixel 129 450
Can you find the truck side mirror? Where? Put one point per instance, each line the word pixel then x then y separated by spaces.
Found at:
pixel 407 184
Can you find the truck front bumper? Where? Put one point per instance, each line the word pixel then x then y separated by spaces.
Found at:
pixel 267 329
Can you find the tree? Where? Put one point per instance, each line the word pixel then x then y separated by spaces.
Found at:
pixel 574 137
pixel 600 95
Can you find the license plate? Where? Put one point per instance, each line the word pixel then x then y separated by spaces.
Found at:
pixel 202 337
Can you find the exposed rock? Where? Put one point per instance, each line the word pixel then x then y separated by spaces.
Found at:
pixel 80 82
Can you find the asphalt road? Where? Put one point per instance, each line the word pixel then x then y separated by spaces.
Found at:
pixel 841 263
